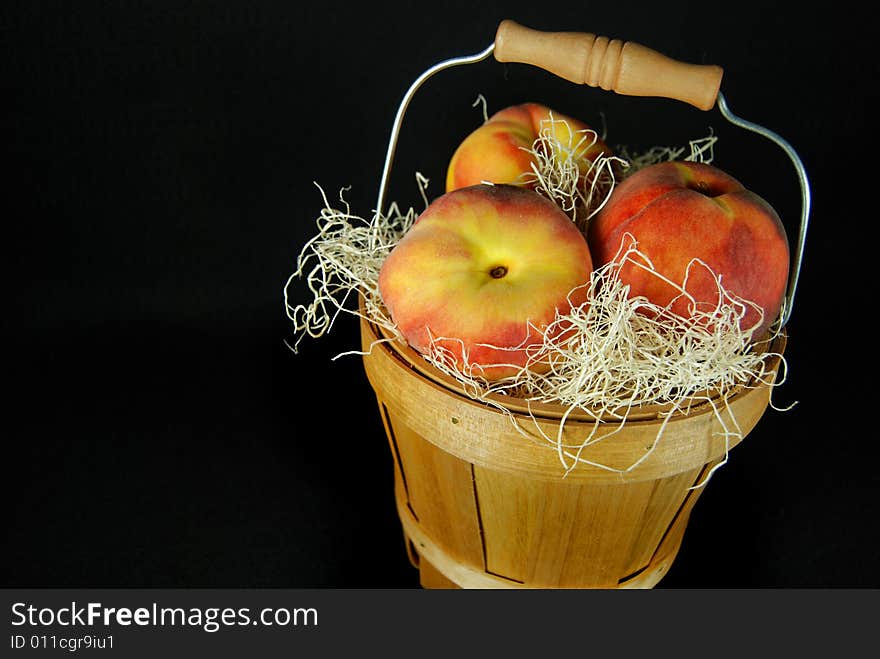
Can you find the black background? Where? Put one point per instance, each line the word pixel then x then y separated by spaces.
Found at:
pixel 160 168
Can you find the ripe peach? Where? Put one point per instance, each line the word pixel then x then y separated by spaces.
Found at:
pixel 679 211
pixel 478 267
pixel 498 151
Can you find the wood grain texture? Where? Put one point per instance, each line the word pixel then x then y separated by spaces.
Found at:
pixel 550 535
pixel 665 503
pixel 431 577
pixel 440 494
pixel 624 67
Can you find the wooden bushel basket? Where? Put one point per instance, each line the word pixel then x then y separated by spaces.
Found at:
pixel 485 505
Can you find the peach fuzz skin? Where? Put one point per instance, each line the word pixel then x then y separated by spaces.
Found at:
pixel 479 265
pixel 679 211
pixel 498 151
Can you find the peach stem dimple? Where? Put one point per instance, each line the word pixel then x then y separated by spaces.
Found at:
pixel 706 189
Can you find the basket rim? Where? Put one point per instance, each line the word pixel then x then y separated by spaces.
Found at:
pixel 695 404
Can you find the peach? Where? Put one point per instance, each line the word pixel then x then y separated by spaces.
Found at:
pixel 679 211
pixel 498 151
pixel 482 272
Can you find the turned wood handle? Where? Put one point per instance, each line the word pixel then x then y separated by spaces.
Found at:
pixel 624 67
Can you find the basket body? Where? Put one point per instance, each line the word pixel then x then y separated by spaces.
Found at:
pixel 484 505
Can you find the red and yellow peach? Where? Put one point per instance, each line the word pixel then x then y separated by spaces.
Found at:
pixel 499 151
pixel 681 211
pixel 482 273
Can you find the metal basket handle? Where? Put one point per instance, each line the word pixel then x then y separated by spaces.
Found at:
pixel 623 67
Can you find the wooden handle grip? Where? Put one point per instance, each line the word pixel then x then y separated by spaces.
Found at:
pixel 624 67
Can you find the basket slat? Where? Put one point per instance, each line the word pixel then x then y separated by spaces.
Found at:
pixel 669 498
pixel 439 490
